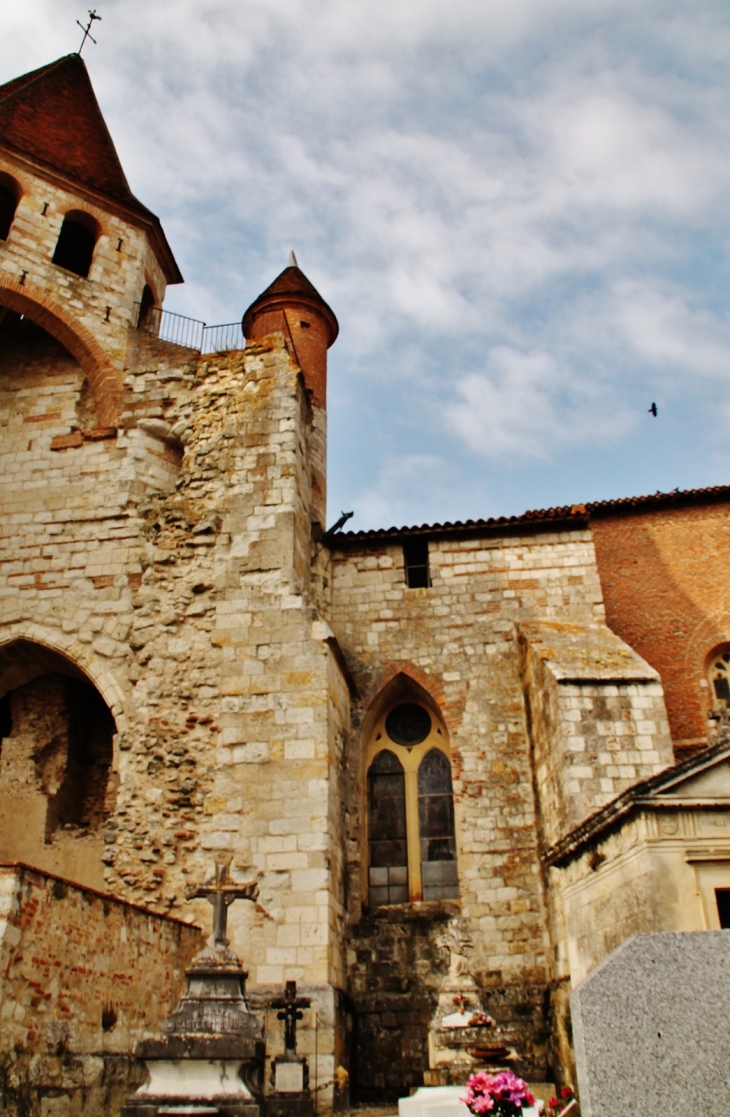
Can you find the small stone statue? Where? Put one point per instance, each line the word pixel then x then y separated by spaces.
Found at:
pixel 457 940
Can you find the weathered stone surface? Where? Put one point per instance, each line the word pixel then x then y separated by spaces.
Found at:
pixel 649 1027
pixel 84 978
pixel 162 542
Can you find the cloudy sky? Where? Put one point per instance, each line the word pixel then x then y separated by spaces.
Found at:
pixel 518 210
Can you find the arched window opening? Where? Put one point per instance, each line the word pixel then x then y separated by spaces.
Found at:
pixel 719 678
pixel 411 840
pixel 59 744
pixel 76 241
pixel 9 197
pixel 149 312
pixel 387 818
pixel 436 822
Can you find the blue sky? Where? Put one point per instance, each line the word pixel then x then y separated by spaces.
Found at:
pixel 518 210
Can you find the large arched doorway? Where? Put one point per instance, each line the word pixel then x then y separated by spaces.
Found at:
pixel 56 751
pixel 35 366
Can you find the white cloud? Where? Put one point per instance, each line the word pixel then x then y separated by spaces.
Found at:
pixel 665 328
pixel 517 210
pixel 526 405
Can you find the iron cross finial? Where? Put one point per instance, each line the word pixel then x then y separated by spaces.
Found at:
pixel 221 891
pixel 290 1004
pixel 87 30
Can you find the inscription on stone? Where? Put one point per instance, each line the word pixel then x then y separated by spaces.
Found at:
pixel 289 1078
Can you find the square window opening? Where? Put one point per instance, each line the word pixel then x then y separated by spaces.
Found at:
pixel 415 561
pixel 722 896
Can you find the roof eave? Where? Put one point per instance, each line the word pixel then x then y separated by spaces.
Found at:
pixel 574 517
pixel 645 795
pixel 142 217
pixel 286 299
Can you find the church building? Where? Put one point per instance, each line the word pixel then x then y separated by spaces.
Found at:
pixel 517 726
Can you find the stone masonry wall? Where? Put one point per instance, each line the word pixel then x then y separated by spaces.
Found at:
pixel 169 564
pixel 90 315
pixel 83 978
pixel 458 641
pixel 666 594
pixel 597 720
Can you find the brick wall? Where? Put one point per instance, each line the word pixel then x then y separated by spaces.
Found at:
pixel 666 591
pixel 170 565
pixel 83 978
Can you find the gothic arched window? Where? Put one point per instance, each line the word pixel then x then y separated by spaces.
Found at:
pixel 76 241
pixel 387 826
pixel 719 677
pixel 9 198
pixel 411 837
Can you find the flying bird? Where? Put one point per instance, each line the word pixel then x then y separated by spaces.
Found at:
pixel 653 410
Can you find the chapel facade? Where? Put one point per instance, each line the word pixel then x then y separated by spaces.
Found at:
pixel 518 723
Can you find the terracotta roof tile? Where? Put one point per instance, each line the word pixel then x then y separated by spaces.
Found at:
pixel 293 284
pixel 53 116
pixel 562 517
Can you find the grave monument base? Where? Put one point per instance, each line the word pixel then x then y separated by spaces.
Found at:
pixel 291 1096
pixel 209 1058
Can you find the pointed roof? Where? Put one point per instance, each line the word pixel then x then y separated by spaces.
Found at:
pixel 52 115
pixel 291 288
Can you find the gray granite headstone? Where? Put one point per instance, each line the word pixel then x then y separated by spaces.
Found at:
pixel 651 1026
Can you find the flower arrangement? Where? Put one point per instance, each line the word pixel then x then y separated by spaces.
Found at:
pixel 566 1101
pixel 502 1095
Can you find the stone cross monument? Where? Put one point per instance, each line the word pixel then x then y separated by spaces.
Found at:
pixel 291 1006
pixel 210 1057
pixel 221 891
pixel 289 1072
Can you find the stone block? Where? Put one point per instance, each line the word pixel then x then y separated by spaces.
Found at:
pixel 650 1027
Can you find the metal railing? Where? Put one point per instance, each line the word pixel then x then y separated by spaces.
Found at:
pixel 190 333
pixel 223 339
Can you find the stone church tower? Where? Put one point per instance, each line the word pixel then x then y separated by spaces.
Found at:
pixel 390 729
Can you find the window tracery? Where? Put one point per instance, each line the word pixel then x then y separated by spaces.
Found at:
pixel 411 833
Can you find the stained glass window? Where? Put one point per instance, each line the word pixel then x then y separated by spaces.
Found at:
pixel 720 678
pixel 408 724
pixel 388 842
pixel 436 822
pixel 412 842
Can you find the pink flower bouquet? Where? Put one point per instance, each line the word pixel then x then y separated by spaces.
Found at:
pixel 501 1095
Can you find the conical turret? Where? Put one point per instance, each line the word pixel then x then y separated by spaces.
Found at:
pixel 292 306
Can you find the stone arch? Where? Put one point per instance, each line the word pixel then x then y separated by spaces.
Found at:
pixel 57 780
pixel 104 381
pixel 450 710
pixel 80 658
